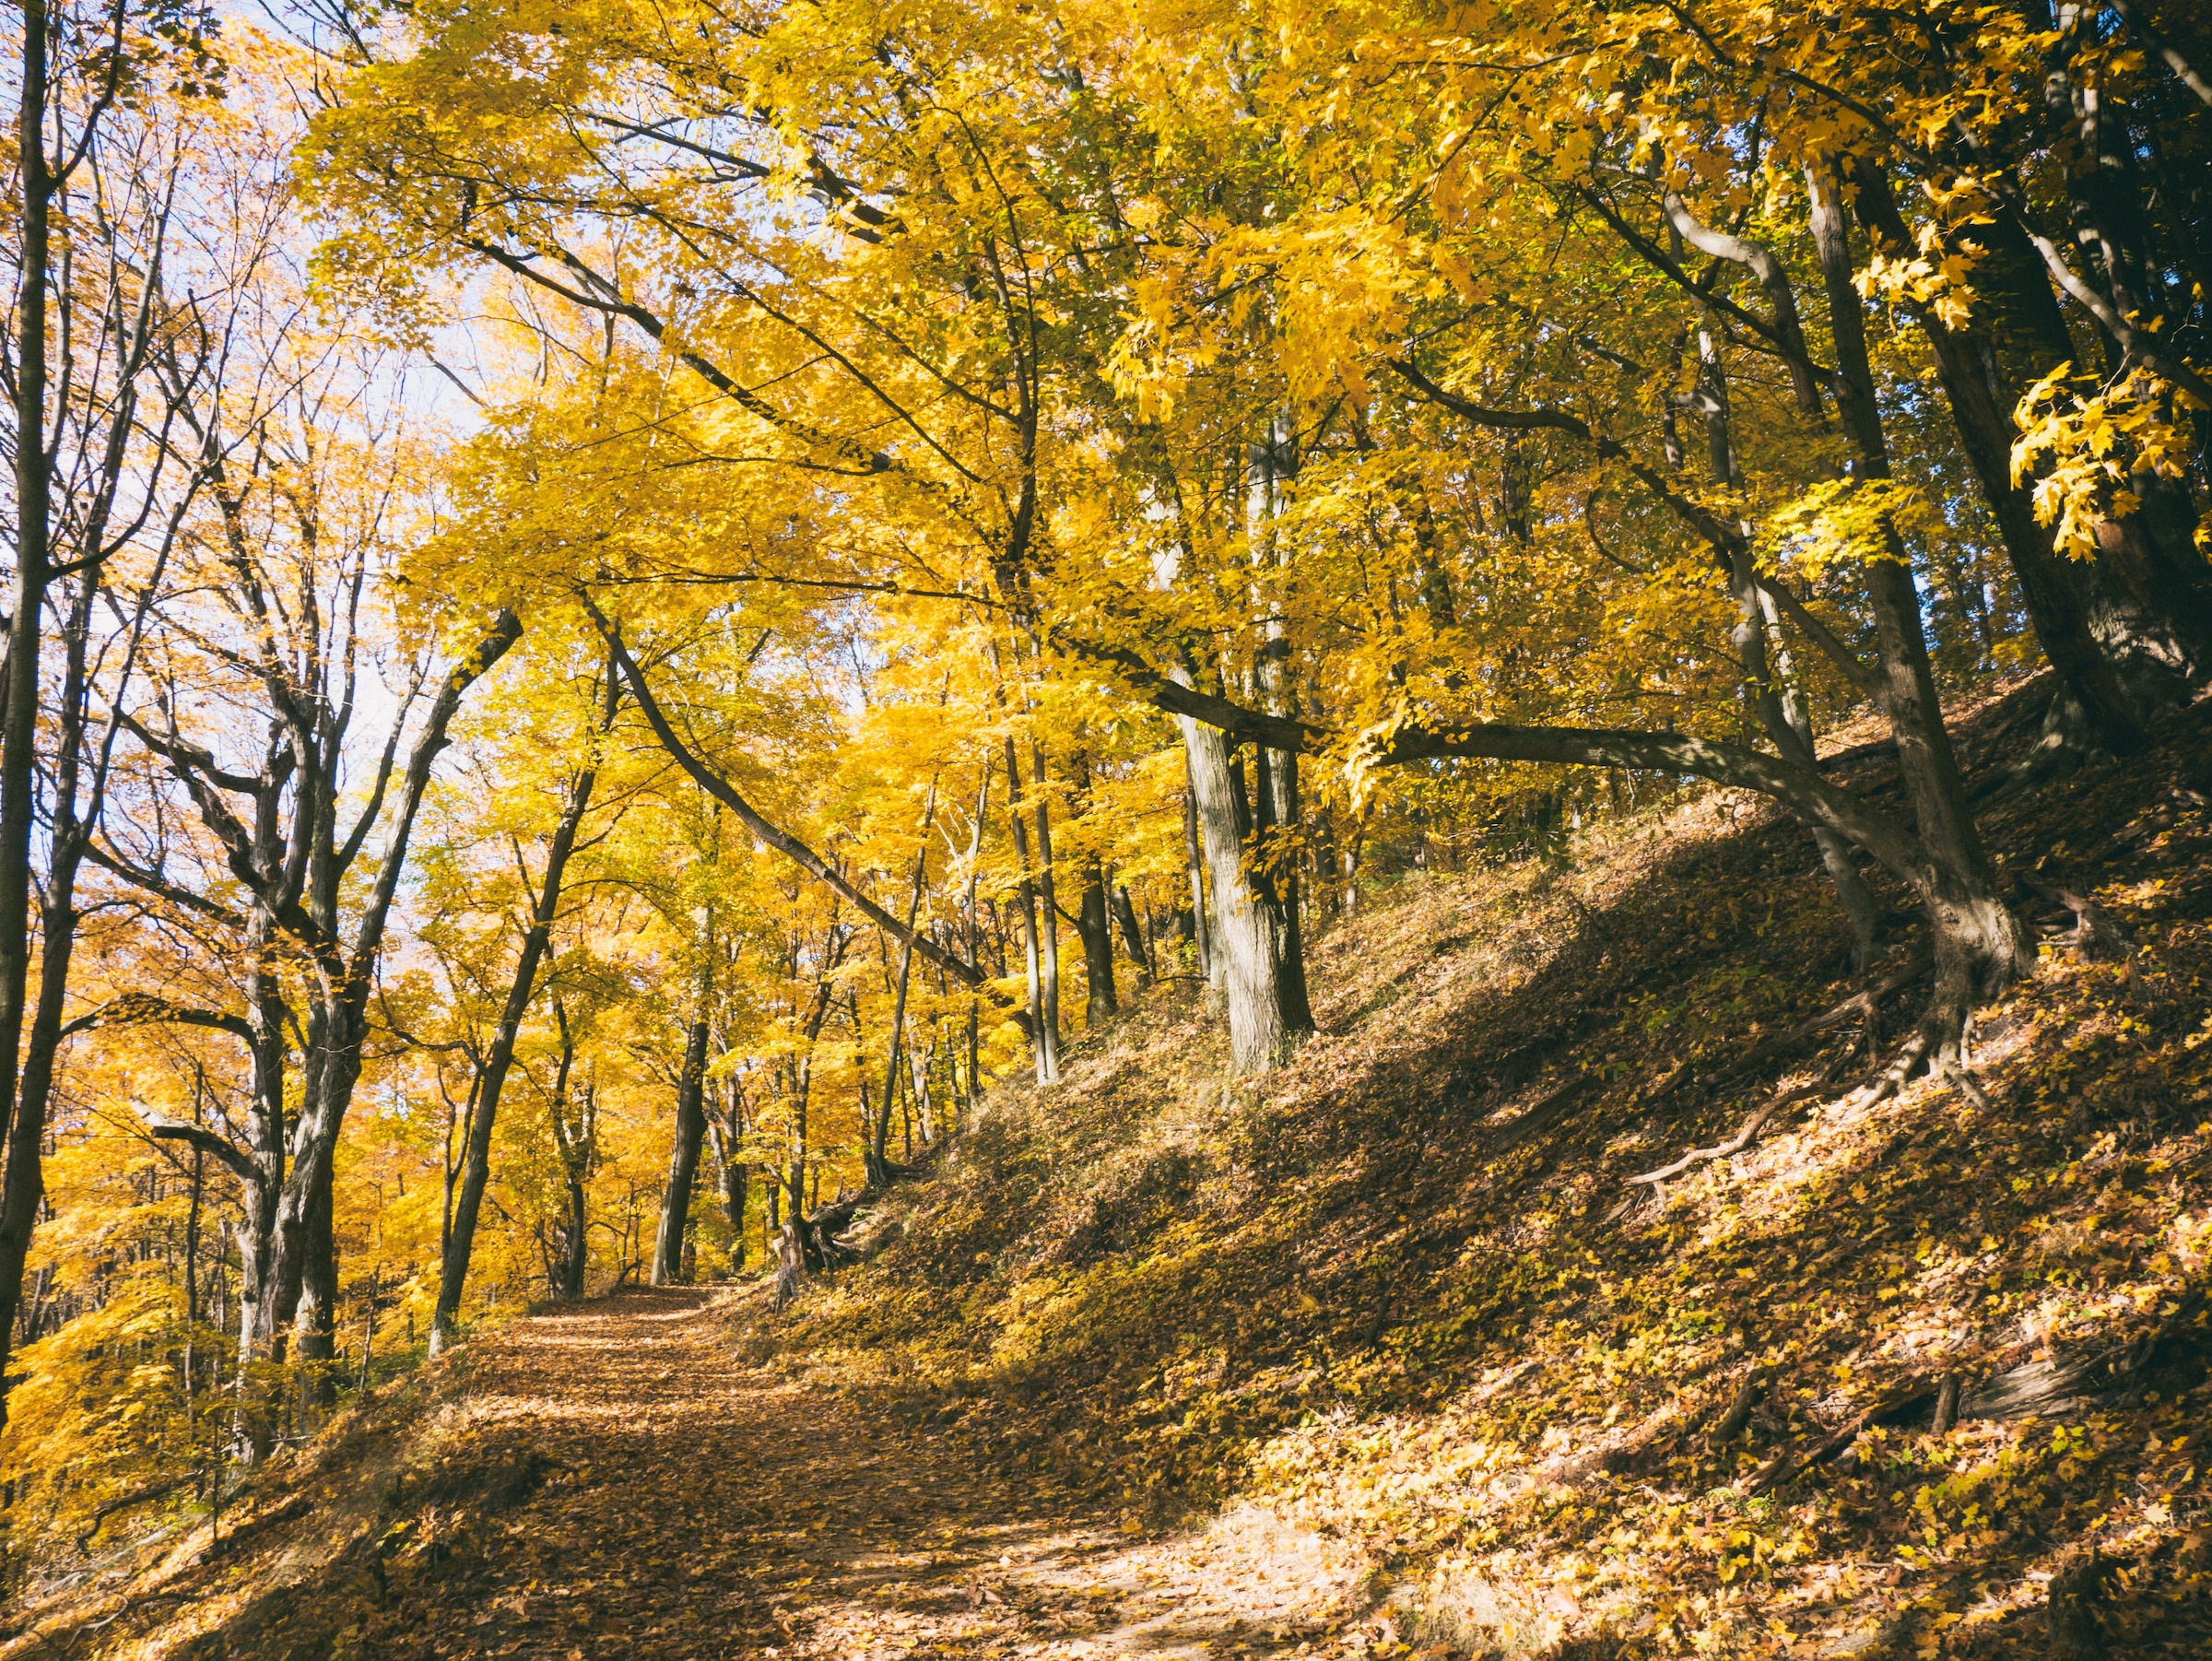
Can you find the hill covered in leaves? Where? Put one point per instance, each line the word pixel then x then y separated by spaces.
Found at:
pixel 1431 1293
pixel 1591 1287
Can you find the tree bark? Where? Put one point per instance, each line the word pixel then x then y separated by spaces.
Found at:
pixel 1095 923
pixel 1201 931
pixel 1267 1019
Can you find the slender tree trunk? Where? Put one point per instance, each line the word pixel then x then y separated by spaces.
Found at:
pixel 690 1132
pixel 1132 938
pixel 24 1185
pixel 2054 602
pixel 879 1131
pixel 476 1170
pixel 1044 1038
pixel 1781 713
pixel 1201 931
pixel 267 1132
pixel 1048 906
pixel 1277 819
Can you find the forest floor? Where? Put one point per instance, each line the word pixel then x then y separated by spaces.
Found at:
pixel 605 1481
pixel 1407 1350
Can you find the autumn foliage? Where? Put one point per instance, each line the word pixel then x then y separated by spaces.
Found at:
pixel 660 644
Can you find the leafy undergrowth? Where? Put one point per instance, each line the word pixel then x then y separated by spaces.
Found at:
pixel 1405 1295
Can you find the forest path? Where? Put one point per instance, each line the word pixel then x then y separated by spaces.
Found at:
pixel 621 1485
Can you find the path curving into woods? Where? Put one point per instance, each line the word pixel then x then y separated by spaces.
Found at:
pixel 612 1480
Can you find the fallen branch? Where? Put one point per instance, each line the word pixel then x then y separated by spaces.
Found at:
pixel 136 1497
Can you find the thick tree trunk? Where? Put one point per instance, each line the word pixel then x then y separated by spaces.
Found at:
pixel 1251 937
pixel 314 1323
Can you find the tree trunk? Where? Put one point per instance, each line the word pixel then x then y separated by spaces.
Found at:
pixel 476 1171
pixel 1045 1037
pixel 683 1155
pixel 879 1131
pixel 1048 906
pixel 1985 433
pixel 1781 713
pixel 575 1239
pixel 338 1012
pixel 1267 1019
pixel 1095 923
pixel 25 1181
pixel 1201 932
pixel 1133 936
pixel 1979 944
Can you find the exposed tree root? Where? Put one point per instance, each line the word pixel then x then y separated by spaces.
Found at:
pixel 1910 1057
pixel 138 1496
pixel 1733 1145
pixel 1947 1404
pixel 1960 1074
pixel 1541 1115
pixel 1739 1411
pixel 1898 1403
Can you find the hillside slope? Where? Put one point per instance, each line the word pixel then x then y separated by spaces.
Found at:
pixel 1409 1295
pixel 1389 1353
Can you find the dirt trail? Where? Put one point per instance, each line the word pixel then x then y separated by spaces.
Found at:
pixel 615 1483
